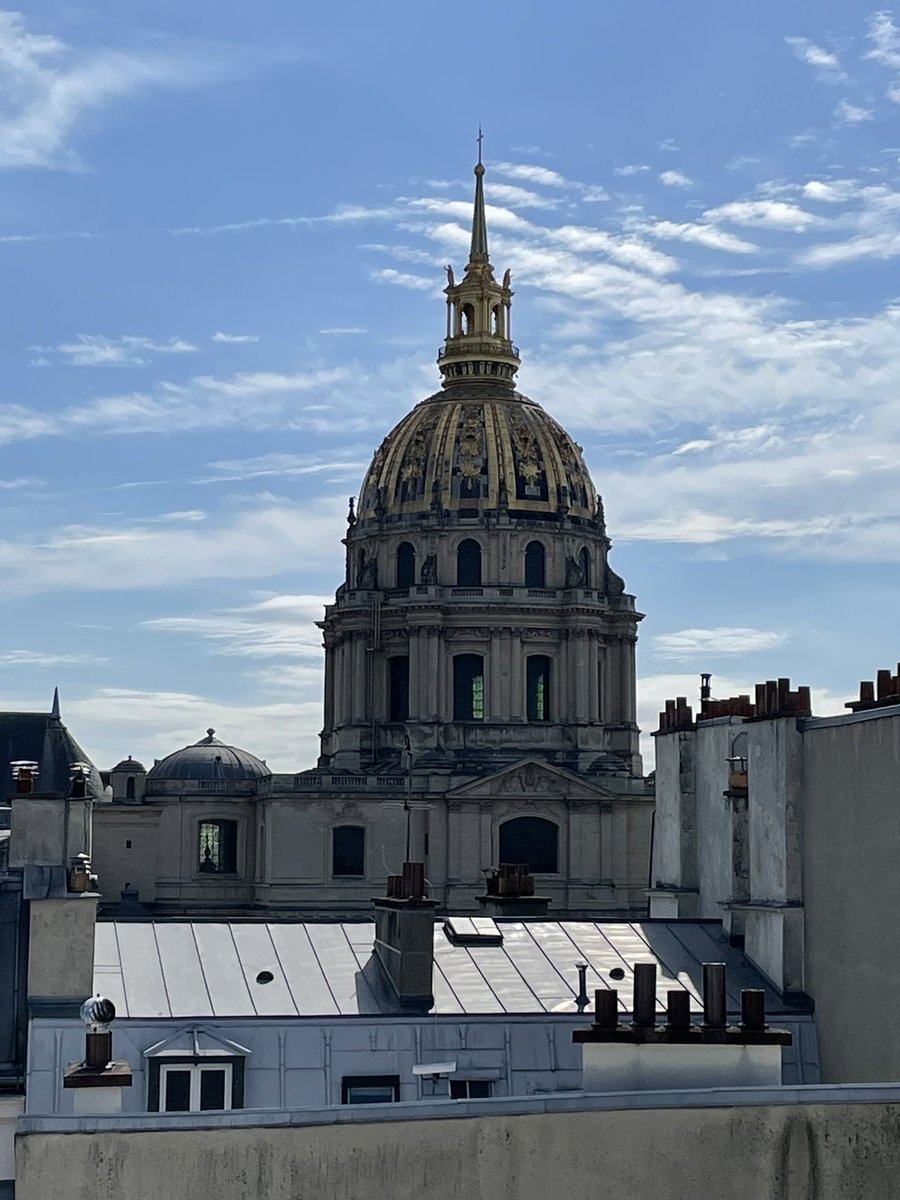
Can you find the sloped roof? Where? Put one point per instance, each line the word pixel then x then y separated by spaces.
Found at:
pixel 41 738
pixel 209 968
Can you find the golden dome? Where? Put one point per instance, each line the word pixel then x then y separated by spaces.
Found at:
pixel 474 449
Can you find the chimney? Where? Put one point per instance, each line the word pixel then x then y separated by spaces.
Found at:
pixel 649 1055
pixel 509 892
pixel 99 1080
pixel 404 938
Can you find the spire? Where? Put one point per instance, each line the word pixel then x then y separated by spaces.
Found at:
pixel 54 711
pixel 479 250
pixel 478 344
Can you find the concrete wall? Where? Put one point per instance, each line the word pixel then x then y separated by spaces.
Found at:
pixel 852 892
pixel 780 1152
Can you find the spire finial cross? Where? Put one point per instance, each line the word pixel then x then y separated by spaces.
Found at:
pixel 479 139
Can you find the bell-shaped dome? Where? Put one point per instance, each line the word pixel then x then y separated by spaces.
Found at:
pixel 468 450
pixel 209 759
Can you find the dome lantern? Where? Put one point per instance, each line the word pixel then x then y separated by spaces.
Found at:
pixel 478 346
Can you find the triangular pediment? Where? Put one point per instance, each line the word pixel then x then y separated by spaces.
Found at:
pixel 530 778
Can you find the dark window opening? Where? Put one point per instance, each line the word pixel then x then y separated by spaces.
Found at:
pixel 210 1084
pixel 468 687
pixel 468 319
pixel 406 565
pixel 370 1089
pixel 470 1089
pixel 128 843
pixel 468 564
pixel 532 841
pixel 584 561
pixel 348 850
pixel 538 685
pixel 398 688
pixel 129 788
pixel 535 565
pixel 218 847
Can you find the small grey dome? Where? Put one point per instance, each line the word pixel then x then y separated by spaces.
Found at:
pixel 210 759
pixel 130 764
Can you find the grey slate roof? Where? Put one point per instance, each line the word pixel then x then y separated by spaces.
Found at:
pixel 208 969
pixel 41 738
pixel 209 759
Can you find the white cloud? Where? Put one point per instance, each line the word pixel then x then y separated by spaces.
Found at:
pixel 47 88
pixel 771 214
pixel 115 721
pixel 530 173
pixel 826 64
pixel 687 645
pixel 128 350
pixel 832 191
pixel 37 658
pixel 219 336
pixel 280 464
pixel 343 329
pixel 630 169
pixel 675 179
pixel 281 626
pixel 44 237
pixel 885 38
pixel 703 235
pixel 669 146
pixel 402 279
pixel 851 114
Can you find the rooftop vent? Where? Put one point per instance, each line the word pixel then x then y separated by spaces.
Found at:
pixel 473 931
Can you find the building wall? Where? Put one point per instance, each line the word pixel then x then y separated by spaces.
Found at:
pixel 784 1152
pixel 852 891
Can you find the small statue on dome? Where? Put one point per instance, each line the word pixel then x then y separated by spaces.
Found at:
pixel 451 281
pixel 428 573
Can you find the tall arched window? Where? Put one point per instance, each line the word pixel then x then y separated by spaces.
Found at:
pixel 532 841
pixel 217 847
pixel 406 565
pixel 468 319
pixel 129 788
pixel 398 688
pixel 535 565
pixel 584 561
pixel 468 564
pixel 468 687
pixel 348 850
pixel 538 686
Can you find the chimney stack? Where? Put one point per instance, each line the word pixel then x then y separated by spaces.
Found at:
pixel 404 938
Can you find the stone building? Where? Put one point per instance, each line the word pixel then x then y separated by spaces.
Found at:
pixel 786 825
pixel 479 680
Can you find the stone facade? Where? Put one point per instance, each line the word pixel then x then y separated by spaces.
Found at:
pixel 785 825
pixel 479 671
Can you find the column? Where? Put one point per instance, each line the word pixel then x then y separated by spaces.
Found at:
pixel 328 716
pixel 415 647
pixel 516 678
pixel 581 643
pixel 497 710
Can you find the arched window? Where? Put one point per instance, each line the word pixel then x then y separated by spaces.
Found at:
pixel 538 685
pixel 468 319
pixel 496 321
pixel 468 564
pixel 217 847
pixel 129 788
pixel 584 561
pixel 348 850
pixel 398 688
pixel 535 565
pixel 468 687
pixel 531 841
pixel 406 565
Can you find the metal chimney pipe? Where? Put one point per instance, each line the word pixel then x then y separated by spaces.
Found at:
pixel 644 1013
pixel 714 995
pixel 606 1008
pixel 581 999
pixel 678 1010
pixel 753 1009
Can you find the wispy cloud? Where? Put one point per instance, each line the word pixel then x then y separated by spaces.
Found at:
pixel 630 169
pixel 418 283
pixel 233 338
pixel 38 658
pixel 771 214
pixel 77 235
pixel 846 113
pixel 825 63
pixel 688 645
pixel 704 235
pixel 47 88
pixel 128 350
pixel 281 626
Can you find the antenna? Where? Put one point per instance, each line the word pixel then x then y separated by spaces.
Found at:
pixel 479 139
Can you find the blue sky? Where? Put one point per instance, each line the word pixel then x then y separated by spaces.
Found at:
pixel 222 242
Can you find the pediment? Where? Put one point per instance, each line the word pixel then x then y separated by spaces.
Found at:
pixel 533 779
